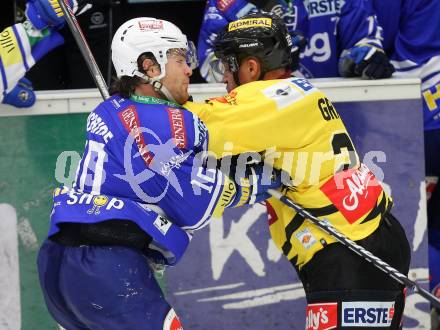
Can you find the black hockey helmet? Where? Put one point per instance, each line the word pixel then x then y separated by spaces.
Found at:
pixel 262 35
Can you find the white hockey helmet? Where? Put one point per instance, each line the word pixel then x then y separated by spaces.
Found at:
pixel 147 34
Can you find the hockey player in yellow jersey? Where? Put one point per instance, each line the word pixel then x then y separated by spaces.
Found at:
pixel 294 126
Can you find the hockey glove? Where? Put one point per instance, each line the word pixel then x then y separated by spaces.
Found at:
pixel 299 43
pixel 44 13
pixel 365 61
pixel 253 187
pixel 22 95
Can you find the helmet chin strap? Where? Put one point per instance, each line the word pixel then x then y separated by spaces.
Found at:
pixel 157 85
pixel 161 89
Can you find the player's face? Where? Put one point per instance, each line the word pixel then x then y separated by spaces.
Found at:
pixel 177 76
pixel 248 71
pixel 228 78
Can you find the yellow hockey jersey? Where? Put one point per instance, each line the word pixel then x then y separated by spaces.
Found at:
pixel 294 125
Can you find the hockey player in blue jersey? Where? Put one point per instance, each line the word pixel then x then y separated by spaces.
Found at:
pixel 343 37
pixel 412 42
pixel 24 44
pixel 144 184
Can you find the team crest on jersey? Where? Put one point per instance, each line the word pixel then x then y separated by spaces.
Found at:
pixel 172 321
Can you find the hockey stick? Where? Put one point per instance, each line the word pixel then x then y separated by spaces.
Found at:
pixel 85 49
pixel 379 263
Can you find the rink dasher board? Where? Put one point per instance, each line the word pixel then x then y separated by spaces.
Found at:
pixel 337 89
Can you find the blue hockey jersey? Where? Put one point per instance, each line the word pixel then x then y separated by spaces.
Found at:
pixel 330 26
pixel 21 46
pixel 142 158
pixel 412 41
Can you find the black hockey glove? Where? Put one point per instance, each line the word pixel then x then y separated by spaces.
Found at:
pixel 365 61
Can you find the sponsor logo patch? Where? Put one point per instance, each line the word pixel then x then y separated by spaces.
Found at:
pixel 322 316
pixel 227 99
pixel 283 93
pixel 316 8
pixel 367 313
pixel 249 23
pixel 177 124
pixel 162 224
pixel 147 25
pixel 306 238
pixel 252 44
pixel 130 120
pixel 353 192
pixel 96 201
pixel 304 84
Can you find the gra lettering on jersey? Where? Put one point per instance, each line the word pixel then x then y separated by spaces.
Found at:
pixel 95 201
pixel 150 24
pixel 367 313
pixel 354 192
pixel 177 127
pixel 328 112
pixel 130 120
pixel 321 316
pixel 96 125
pixel 250 22
pixel 316 8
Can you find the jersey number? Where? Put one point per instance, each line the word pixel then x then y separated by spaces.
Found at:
pixel 341 141
pixel 95 157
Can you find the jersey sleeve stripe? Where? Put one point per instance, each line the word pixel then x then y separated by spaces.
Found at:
pixel 212 204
